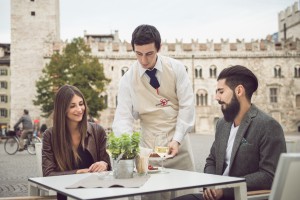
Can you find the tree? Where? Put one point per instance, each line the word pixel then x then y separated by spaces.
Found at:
pixel 74 66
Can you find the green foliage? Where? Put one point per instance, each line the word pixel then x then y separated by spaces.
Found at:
pixel 125 143
pixel 74 66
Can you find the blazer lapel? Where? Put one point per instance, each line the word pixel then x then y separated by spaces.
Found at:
pixel 224 135
pixel 242 131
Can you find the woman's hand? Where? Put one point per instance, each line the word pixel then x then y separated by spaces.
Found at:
pixel 82 171
pixel 98 167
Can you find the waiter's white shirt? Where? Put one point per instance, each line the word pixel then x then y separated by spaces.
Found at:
pixel 126 113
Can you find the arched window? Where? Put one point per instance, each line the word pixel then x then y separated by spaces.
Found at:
pixel 297 71
pixel 213 71
pixel 198 72
pixel 277 71
pixel 104 98
pixel 201 98
pixel 124 70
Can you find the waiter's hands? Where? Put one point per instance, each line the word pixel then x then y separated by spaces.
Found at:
pixel 212 194
pixel 173 148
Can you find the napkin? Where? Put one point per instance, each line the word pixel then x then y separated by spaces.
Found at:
pixel 145 152
pixel 94 181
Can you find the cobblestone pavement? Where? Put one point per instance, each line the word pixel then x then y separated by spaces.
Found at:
pixel 16 169
pixel 14 172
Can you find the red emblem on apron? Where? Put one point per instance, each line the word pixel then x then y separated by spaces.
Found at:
pixel 163 102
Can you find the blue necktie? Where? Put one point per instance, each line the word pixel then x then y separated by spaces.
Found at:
pixel 153 80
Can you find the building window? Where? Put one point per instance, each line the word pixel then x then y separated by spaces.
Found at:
pixel 213 71
pixel 198 72
pixel 297 71
pixel 116 101
pixel 3 72
pixel 104 99
pixel 3 85
pixel 124 70
pixel 32 0
pixel 3 98
pixel 3 112
pixel 277 71
pixel 112 68
pixel 201 98
pixel 298 101
pixel 273 95
pixel 32 13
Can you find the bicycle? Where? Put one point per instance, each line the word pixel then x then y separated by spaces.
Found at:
pixel 12 143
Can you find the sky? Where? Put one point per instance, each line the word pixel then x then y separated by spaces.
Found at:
pixel 183 20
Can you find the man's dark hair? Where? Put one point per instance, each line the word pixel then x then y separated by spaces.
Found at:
pixel 146 34
pixel 240 75
pixel 26 112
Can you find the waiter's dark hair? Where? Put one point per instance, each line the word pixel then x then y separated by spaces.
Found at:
pixel 146 34
pixel 240 75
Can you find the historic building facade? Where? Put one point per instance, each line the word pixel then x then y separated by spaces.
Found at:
pixel 34 29
pixel 276 65
pixel 276 62
pixel 4 87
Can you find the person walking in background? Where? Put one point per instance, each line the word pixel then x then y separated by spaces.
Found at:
pixel 36 126
pixel 156 89
pixel 27 127
pixel 248 142
pixel 73 145
pixel 42 130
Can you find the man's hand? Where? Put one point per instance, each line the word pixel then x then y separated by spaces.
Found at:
pixel 173 148
pixel 212 194
pixel 98 167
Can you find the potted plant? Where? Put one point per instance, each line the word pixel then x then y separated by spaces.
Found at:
pixel 123 150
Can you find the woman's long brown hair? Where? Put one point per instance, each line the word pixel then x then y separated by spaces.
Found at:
pixel 61 138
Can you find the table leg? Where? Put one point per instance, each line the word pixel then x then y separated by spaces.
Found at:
pixel 240 192
pixel 33 190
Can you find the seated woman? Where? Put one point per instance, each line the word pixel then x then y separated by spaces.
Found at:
pixel 73 145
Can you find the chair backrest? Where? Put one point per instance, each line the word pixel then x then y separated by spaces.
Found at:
pixel 38 150
pixel 287 181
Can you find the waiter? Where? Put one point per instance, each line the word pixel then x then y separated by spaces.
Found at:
pixel 156 89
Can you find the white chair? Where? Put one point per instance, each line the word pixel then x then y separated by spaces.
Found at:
pixel 287 178
pixel 38 150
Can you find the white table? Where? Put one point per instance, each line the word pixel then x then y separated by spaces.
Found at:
pixel 159 182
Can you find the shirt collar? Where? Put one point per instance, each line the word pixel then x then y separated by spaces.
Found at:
pixel 157 65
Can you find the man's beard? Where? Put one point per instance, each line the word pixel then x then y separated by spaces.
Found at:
pixel 231 110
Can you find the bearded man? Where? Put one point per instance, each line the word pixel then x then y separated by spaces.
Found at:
pixel 248 142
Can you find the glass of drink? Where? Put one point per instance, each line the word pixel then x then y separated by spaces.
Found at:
pixel 161 148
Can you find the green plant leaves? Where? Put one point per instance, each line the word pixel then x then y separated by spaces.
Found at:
pixel 125 143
